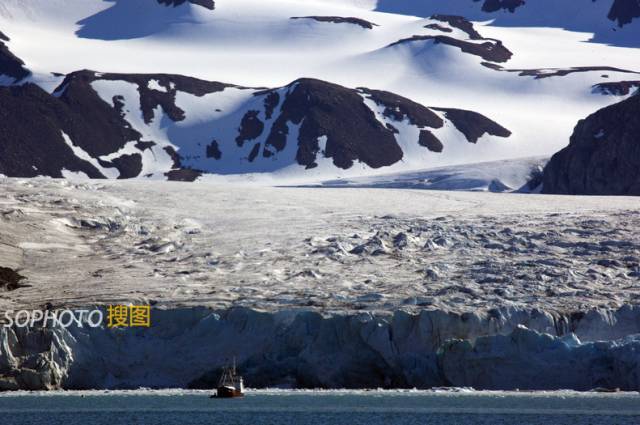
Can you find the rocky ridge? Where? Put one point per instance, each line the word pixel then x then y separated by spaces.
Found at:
pixel 603 156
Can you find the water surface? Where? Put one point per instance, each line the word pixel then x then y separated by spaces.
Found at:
pixel 302 408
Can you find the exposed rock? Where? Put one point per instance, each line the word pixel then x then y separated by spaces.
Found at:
pixel 619 88
pixel 398 108
pixel 270 102
pixel 183 175
pixel 561 72
pixel 150 98
pixel 474 125
pixel 213 150
pixel 104 130
pixel 250 128
pixel 429 141
pixel 495 5
pixel 9 279
pixel 254 152
pixel 92 124
pixel 23 152
pixel 10 65
pixel 340 20
pixel 209 4
pixel 319 108
pixel 438 27
pixel 624 11
pixel 491 50
pixel 460 23
pixel 603 157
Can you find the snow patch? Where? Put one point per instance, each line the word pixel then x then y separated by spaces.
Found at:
pixel 74 175
pixel 109 172
pixel 155 85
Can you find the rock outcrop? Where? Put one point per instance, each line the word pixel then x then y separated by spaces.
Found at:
pixel 496 5
pixel 490 49
pixel 208 4
pixel 32 147
pixel 9 279
pixel 499 349
pixel 340 20
pixel 12 68
pixel 624 11
pixel 603 157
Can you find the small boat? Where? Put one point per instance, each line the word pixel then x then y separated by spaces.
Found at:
pixel 230 384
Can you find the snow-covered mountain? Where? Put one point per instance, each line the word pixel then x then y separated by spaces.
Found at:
pixel 302 90
pixel 609 21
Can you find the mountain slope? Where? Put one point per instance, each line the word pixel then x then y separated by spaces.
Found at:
pixel 12 68
pixel 518 77
pixel 39 146
pixel 132 125
pixel 603 157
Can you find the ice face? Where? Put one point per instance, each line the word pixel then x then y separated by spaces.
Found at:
pixel 187 348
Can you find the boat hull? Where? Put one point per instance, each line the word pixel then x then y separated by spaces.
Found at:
pixel 225 392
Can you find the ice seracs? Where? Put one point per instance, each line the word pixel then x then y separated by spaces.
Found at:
pixel 12 69
pixel 501 349
pixel 170 126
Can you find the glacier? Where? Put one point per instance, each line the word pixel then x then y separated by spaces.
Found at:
pixel 500 349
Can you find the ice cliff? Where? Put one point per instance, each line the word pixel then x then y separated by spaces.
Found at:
pixel 498 349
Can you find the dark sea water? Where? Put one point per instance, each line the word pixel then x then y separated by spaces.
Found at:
pixel 349 408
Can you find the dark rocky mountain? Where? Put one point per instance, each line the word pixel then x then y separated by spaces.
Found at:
pixel 81 129
pixel 461 23
pixel 496 5
pixel 474 125
pixel 80 82
pixel 10 65
pixel 33 123
pixel 31 139
pixel 624 11
pixel 603 157
pixel 9 279
pixel 209 4
pixel 320 109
